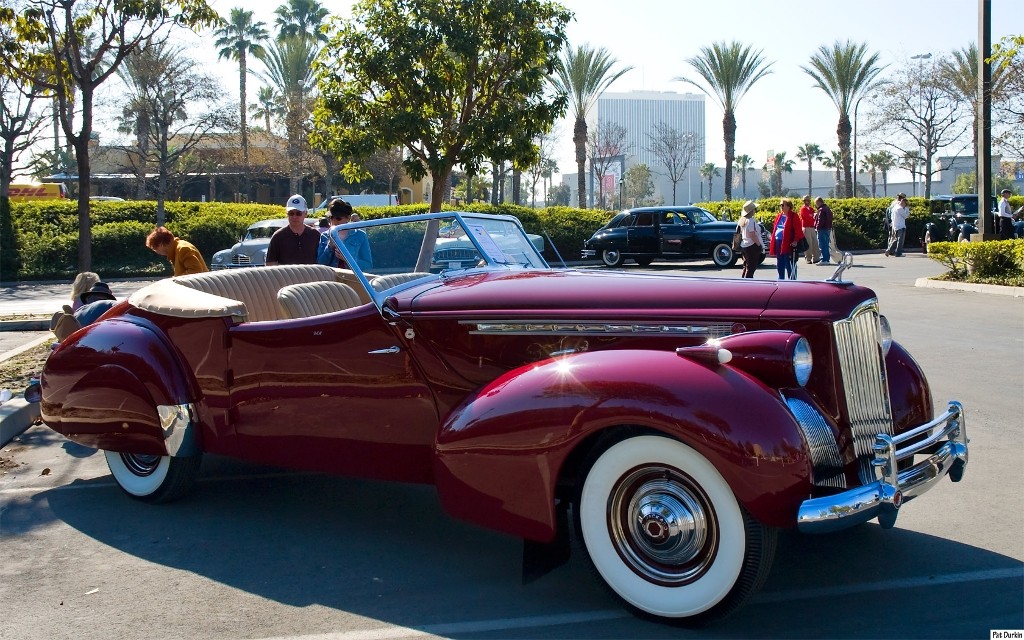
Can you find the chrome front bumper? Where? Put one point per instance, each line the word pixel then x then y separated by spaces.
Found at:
pixel 891 488
pixel 589 253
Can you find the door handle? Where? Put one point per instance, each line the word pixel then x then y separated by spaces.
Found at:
pixel 381 351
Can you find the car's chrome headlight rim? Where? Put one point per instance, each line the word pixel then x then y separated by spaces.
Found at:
pixel 886 333
pixel 803 362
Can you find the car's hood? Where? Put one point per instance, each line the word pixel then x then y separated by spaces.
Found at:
pixel 562 294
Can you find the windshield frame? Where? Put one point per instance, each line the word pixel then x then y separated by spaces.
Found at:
pixel 483 243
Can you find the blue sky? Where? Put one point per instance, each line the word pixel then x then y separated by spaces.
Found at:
pixel 783 110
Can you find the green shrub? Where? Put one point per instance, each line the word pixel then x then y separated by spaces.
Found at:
pixel 995 262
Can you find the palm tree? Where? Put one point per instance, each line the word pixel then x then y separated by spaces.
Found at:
pixel 729 69
pixel 289 63
pixel 835 161
pixel 844 72
pixel 742 164
pixel 710 171
pixel 960 76
pixel 885 161
pixel 301 18
pixel 583 75
pixel 780 164
pixel 237 38
pixel 809 153
pixel 868 164
pixel 267 105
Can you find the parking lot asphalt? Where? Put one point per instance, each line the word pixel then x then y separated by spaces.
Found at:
pixel 34 300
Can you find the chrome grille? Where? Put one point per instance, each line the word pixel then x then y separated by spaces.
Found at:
pixel 825 457
pixel 457 254
pixel 240 259
pixel 864 381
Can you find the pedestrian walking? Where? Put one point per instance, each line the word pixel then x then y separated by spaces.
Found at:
pixel 751 245
pixel 899 228
pixel 807 221
pixel 823 229
pixel 1005 216
pixel 786 234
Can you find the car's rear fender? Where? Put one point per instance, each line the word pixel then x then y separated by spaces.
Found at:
pixel 502 454
pixel 103 386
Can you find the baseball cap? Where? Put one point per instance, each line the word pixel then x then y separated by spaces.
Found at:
pixel 296 203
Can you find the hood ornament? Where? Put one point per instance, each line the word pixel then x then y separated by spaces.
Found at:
pixel 844 264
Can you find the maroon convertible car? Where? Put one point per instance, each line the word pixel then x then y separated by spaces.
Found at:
pixel 672 424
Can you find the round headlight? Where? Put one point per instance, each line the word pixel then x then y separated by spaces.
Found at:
pixel 802 361
pixel 886 332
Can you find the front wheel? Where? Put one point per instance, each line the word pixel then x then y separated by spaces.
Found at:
pixel 612 257
pixel 723 255
pixel 665 533
pixel 152 478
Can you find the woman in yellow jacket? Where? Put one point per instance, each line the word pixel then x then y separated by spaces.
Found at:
pixel 183 254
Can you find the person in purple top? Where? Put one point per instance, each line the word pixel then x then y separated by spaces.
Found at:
pixel 823 226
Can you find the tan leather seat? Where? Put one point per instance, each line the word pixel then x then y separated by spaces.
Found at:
pixel 256 287
pixel 380 283
pixel 316 298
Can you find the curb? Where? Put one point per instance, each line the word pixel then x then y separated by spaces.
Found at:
pixel 16 415
pixel 928 283
pixel 24 325
pixel 25 347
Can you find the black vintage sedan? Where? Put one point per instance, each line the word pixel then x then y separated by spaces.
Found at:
pixel 672 233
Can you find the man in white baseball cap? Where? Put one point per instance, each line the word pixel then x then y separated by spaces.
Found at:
pixel 295 243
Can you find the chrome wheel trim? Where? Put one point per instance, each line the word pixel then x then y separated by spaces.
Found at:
pixel 611 257
pixel 710 576
pixel 662 525
pixel 722 254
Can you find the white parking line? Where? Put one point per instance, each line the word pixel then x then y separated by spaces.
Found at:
pixel 501 624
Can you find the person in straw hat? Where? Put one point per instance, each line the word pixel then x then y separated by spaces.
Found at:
pixel 751 244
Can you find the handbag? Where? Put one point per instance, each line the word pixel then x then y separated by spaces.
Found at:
pixel 801 245
pixel 736 240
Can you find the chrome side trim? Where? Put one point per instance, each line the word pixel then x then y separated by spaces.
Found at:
pixel 864 380
pixel 825 458
pixel 589 328
pixel 891 488
pixel 181 434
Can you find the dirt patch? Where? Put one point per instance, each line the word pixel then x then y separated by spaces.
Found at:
pixel 16 372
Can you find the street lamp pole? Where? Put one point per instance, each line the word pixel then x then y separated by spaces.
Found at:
pixel 620 193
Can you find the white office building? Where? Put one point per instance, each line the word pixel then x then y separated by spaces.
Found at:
pixel 639 112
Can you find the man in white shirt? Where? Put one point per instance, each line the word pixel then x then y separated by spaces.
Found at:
pixel 1005 216
pixel 899 227
pixel 888 216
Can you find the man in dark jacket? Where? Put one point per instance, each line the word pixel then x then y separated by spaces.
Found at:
pixel 823 226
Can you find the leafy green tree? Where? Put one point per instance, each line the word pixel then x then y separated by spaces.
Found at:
pixel 968 183
pixel 742 164
pixel 809 153
pixel 710 171
pixel 729 70
pixel 450 82
pixel 237 38
pixel 71 48
pixel 638 186
pixel 582 75
pixel 844 72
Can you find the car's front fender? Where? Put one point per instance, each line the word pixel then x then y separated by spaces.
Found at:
pixel 501 453
pixel 101 388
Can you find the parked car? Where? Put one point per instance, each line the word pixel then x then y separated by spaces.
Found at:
pixel 672 424
pixel 671 233
pixel 251 248
pixel 954 219
pixel 454 249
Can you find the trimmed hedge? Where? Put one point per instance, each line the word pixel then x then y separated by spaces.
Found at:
pixel 46 233
pixel 997 262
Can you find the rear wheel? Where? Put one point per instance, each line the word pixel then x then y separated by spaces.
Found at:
pixel 723 255
pixel 152 478
pixel 665 533
pixel 612 257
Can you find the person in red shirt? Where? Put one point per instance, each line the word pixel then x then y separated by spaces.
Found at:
pixel 786 233
pixel 807 221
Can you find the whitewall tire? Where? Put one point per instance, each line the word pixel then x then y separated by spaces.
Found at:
pixel 153 478
pixel 666 534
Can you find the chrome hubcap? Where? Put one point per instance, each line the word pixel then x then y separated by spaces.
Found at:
pixel 140 464
pixel 662 526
